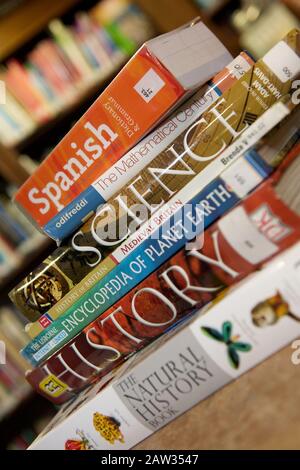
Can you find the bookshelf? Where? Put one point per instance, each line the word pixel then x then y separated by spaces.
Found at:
pixel 12 171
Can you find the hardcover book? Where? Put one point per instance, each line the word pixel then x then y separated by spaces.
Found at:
pixel 179 370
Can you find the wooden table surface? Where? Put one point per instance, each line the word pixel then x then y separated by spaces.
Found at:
pixel 260 410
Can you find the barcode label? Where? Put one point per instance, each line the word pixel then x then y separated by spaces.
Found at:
pixel 241 177
pixel 274 60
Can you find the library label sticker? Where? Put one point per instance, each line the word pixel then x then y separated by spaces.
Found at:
pixel 53 386
pixel 149 85
pixel 292 62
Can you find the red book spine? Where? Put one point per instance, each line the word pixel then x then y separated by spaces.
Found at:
pixel 18 81
pixel 48 61
pixel 190 280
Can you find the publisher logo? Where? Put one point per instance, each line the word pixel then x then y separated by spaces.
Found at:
pixel 45 321
pixel 53 386
pixel 149 85
pixel 2 353
pixel 269 224
pixel 2 93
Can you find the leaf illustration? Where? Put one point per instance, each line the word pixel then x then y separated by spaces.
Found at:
pixel 243 347
pixel 233 357
pixel 227 330
pixel 212 333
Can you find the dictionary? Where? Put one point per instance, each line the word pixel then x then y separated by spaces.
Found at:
pixel 81 254
pixel 161 73
pixel 215 347
pixel 193 152
pixel 191 278
pixel 167 231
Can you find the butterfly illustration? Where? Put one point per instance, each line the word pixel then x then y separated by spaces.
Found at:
pixel 232 343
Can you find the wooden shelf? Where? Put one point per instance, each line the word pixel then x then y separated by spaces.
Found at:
pixel 10 167
pixel 27 20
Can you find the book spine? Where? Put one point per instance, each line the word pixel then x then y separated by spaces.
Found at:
pixel 54 72
pixel 75 263
pixel 22 88
pixel 176 373
pixel 11 226
pixel 19 114
pixel 8 129
pixel 9 258
pixel 67 43
pixel 132 257
pixel 116 121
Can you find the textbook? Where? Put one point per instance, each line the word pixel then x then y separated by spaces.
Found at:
pixel 167 231
pixel 162 72
pixel 81 254
pixel 216 346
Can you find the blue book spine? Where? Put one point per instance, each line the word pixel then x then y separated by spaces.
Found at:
pixel 11 225
pixel 138 265
pixel 72 216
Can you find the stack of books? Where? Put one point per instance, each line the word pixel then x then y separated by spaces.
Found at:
pixel 66 64
pixel 174 200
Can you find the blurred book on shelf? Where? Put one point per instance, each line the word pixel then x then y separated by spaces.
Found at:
pixel 63 65
pixel 262 23
pixel 18 237
pixel 13 387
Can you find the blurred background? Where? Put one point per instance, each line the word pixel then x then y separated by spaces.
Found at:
pixel 55 58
